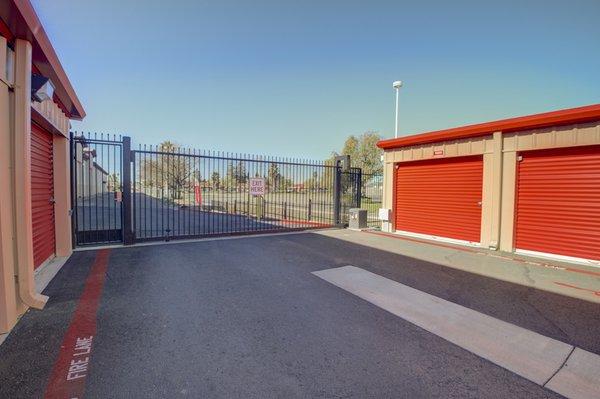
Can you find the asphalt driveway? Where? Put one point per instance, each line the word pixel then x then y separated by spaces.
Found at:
pixel 155 218
pixel 246 318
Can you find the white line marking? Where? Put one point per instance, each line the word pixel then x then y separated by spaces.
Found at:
pixel 524 352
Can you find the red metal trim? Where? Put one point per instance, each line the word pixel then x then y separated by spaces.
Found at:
pixel 555 118
pixel 5 31
pixel 60 104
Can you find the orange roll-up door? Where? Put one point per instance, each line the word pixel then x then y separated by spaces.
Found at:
pixel 42 195
pixel 440 197
pixel 558 202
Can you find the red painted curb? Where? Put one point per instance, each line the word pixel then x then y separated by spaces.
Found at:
pixel 458 248
pixel 596 293
pixel 437 244
pixel 71 367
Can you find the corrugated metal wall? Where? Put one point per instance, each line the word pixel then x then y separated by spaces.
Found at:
pixel 440 197
pixel 42 193
pixel 558 202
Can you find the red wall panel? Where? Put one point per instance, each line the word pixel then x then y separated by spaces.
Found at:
pixel 440 197
pixel 558 202
pixel 42 193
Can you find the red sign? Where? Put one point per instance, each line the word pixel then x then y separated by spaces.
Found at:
pixel 197 195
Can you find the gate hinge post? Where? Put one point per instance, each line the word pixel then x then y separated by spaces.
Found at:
pixel 128 237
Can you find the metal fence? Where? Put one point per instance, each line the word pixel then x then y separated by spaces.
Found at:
pixel 96 172
pixel 166 192
pixel 189 193
pixel 371 197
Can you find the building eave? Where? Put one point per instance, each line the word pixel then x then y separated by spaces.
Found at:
pixel 569 116
pixel 22 21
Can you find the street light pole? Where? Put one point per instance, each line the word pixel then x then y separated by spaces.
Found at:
pixel 397 85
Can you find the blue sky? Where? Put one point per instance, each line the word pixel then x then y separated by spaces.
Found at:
pixel 295 78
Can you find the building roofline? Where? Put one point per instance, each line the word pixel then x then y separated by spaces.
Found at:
pixel 555 118
pixel 23 23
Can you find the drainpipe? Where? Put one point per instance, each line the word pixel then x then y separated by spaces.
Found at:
pixel 22 177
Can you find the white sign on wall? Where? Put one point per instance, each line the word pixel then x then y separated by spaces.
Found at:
pixel 257 186
pixel 384 214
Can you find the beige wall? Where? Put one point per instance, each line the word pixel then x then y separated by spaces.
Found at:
pixel 539 139
pixel 91 179
pixel 484 146
pixel 8 293
pixel 17 284
pixel 53 115
pixel 500 157
pixel 62 196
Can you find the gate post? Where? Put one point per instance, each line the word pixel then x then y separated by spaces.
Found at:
pixel 127 158
pixel 337 197
pixel 359 189
pixel 342 164
pixel 73 174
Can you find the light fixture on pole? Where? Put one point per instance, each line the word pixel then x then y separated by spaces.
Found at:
pixel 397 85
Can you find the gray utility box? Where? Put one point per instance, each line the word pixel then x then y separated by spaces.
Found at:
pixel 358 219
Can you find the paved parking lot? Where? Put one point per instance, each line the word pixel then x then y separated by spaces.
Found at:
pixel 247 317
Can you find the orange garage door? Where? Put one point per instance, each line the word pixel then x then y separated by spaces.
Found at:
pixel 440 197
pixel 42 195
pixel 558 202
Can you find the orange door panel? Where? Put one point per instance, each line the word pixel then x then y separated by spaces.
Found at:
pixel 440 197
pixel 42 194
pixel 558 202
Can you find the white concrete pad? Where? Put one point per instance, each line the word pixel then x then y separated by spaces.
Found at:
pixel 580 376
pixel 578 281
pixel 524 352
pixel 3 337
pixel 46 272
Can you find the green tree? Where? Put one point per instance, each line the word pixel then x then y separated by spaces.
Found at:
pixel 364 152
pixel 172 173
pixel 274 177
pixel 312 183
pixel 113 182
pixel 236 175
pixel 326 179
pixel 215 179
pixel 240 174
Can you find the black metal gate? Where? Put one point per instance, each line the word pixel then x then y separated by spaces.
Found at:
pixel 181 193
pixel 96 189
pixel 166 192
